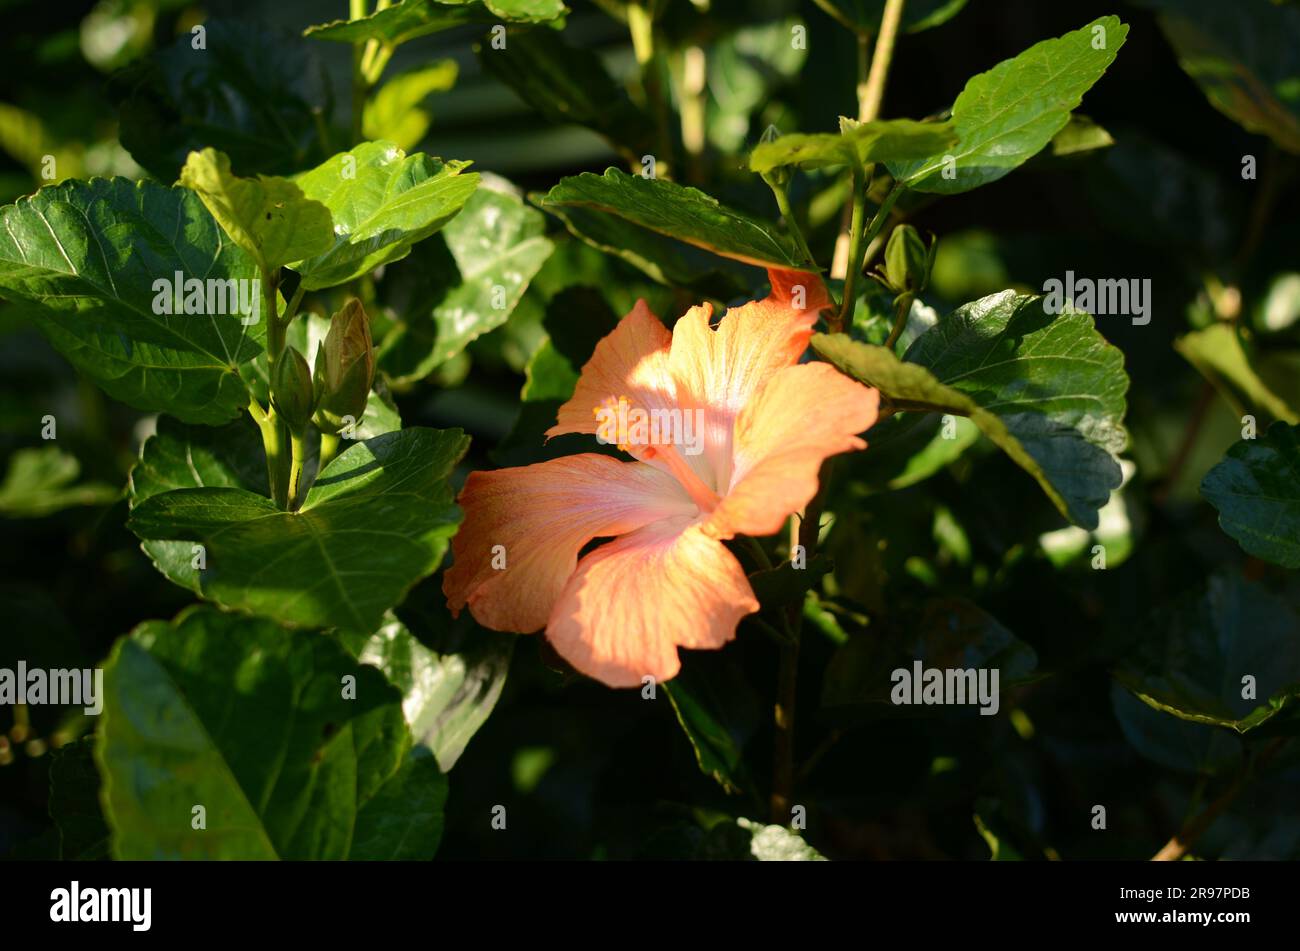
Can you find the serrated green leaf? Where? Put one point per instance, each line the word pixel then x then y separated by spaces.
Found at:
pixel 394 113
pixel 411 19
pixel 884 140
pixel 1256 489
pixel 41 481
pixel 686 214
pixel 1048 390
pixel 497 244
pixel 257 94
pixel 251 721
pixel 1007 115
pixel 1244 56
pixel 1193 659
pixel 86 260
pixel 376 520
pixel 267 217
pixel 383 201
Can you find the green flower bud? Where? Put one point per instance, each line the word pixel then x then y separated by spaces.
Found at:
pixel 292 392
pixel 907 260
pixel 345 367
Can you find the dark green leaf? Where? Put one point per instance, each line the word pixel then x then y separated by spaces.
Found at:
pixel 1005 116
pixel 86 258
pixel 255 723
pixel 403 821
pixel 257 94
pixel 1256 489
pixel 718 711
pixel 946 634
pixel 375 522
pixel 686 214
pixel 1048 390
pixel 1244 56
pixel 74 802
pixel 785 584
pixel 415 18
pixel 1193 659
pixel 567 83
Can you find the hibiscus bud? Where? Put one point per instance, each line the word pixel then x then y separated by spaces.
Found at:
pixel 292 393
pixel 345 367
pixel 907 260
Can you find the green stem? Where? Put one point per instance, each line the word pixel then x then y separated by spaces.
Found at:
pixel 273 442
pixel 874 93
pixel 855 251
pixel 291 309
pixel 329 447
pixel 356 11
pixel 902 307
pixel 298 456
pixel 274 327
pixel 783 203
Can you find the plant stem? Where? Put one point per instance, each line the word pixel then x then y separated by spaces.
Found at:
pixel 783 203
pixel 274 328
pixel 855 251
pixel 298 456
pixel 357 10
pixel 1186 837
pixel 273 430
pixel 640 23
pixel 880 60
pixel 902 307
pixel 329 448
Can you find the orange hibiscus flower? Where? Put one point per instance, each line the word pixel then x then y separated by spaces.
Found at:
pixel 728 431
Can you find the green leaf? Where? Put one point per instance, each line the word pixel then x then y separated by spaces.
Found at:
pixel 41 481
pixel 1216 351
pixel 785 584
pixel 1245 58
pixel 383 201
pixel 257 724
pixel 448 692
pixel 718 711
pixel 257 94
pixel 376 520
pixel 864 15
pixel 403 821
pixel 394 113
pixel 415 18
pixel 497 244
pixel 566 83
pixel 1005 116
pixel 660 258
pixel 1080 135
pixel 1193 659
pixel 74 802
pixel 88 261
pixel 944 633
pixel 686 214
pixel 1048 390
pixel 884 140
pixel 1256 489
pixel 267 217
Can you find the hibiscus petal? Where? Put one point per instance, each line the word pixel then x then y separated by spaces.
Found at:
pixel 628 362
pixel 718 371
pixel 634 601
pixel 802 415
pixel 542 515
